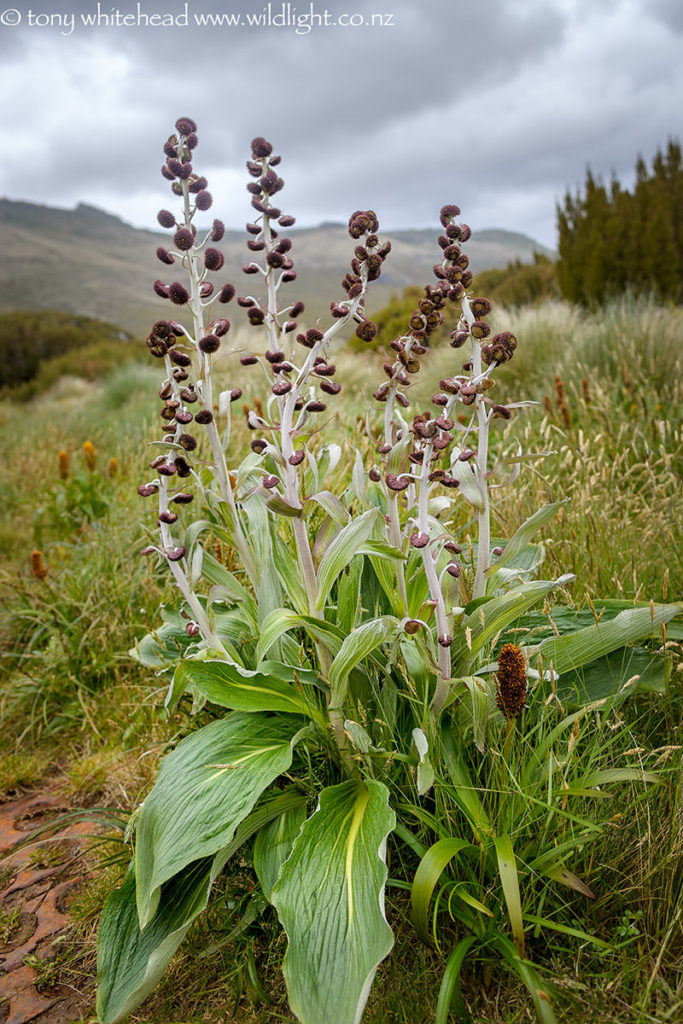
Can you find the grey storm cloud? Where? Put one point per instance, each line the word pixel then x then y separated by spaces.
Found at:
pixel 497 106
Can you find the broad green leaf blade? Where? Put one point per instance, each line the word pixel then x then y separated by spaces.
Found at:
pixel 358 644
pixel 450 994
pixel 489 618
pixel 425 771
pixel 645 672
pixel 216 573
pixel 131 962
pixel 330 900
pixel 290 575
pixel 428 873
pixel 340 552
pixel 273 845
pixel 204 789
pixel 507 869
pixel 501 611
pixel 164 645
pixel 566 653
pixel 241 689
pixel 349 593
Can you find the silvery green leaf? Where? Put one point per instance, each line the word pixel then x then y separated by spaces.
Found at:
pixel 281 620
pixel 340 552
pixel 242 689
pixel 224 403
pixel 570 652
pixel 196 564
pixel 469 485
pixel 276 503
pixel 523 535
pixel 330 901
pixel 204 789
pixel 359 479
pixel 440 503
pixel 130 962
pixel 273 845
pixel 329 460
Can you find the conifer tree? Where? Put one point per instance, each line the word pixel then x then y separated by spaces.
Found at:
pixel 613 239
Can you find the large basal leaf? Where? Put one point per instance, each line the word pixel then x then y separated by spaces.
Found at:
pixel 204 789
pixel 645 672
pixel 131 962
pixel 330 900
pixel 241 689
pixel 273 845
pixel 566 653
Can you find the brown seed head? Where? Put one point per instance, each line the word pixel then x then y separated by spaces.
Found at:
pixel 511 681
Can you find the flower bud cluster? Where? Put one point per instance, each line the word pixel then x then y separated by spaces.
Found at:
pixel 186 388
pixel 294 381
pixel 192 188
pixel 366 265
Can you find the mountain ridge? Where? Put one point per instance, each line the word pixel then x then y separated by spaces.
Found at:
pixel 88 261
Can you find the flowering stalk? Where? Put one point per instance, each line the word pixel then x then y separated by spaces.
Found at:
pixel 293 384
pixel 416 471
pixel 170 340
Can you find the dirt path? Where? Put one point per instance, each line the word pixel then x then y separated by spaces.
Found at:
pixel 34 896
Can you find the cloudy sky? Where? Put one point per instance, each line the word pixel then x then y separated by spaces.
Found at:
pixel 497 105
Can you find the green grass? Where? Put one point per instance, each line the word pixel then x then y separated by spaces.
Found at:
pixel 79 706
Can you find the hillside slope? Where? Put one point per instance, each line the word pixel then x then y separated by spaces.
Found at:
pixel 89 262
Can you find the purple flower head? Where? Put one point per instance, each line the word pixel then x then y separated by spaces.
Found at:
pixel 185 126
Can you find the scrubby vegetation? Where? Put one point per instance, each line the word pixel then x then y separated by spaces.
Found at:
pixel 37 349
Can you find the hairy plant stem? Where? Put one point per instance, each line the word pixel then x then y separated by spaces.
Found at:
pixel 206 389
pixel 395 535
pixel 286 409
pixel 483 514
pixel 436 593
pixel 182 582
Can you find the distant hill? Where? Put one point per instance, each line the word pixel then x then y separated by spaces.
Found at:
pixel 89 262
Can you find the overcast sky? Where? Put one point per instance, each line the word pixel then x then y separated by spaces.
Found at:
pixel 497 105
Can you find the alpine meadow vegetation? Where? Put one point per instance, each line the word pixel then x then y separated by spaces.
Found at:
pixel 382 690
